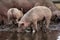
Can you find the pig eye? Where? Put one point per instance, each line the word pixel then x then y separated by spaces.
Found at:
pixel 19 19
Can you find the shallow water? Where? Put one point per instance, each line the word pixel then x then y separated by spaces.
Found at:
pixel 53 35
pixel 11 34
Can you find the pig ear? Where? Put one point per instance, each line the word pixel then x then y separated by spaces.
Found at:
pixel 22 9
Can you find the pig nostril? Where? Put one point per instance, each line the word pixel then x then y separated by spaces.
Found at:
pixel 19 19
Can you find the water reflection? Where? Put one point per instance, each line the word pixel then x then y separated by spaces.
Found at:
pixel 39 36
pixel 53 35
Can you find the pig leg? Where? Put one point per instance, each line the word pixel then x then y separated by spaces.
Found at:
pixel 42 26
pixel 35 26
pixel 9 21
pixel 8 15
pixel 47 25
pixel 18 29
pixel 17 20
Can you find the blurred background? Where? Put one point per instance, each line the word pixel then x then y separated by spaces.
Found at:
pixel 57 3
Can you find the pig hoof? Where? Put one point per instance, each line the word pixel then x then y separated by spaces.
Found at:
pixel 33 31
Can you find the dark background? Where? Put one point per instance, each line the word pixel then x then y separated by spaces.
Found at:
pixel 56 1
